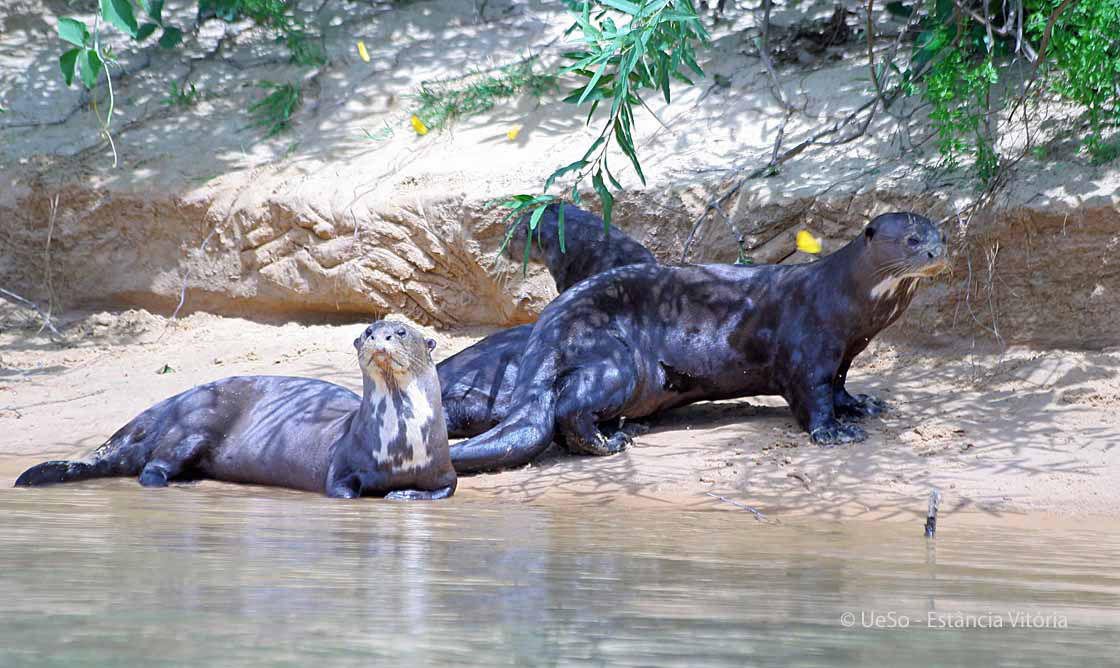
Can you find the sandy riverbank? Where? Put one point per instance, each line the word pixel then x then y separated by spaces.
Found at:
pixel 1027 432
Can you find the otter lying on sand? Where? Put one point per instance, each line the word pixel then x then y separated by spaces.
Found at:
pixel 478 382
pixel 638 340
pixel 293 432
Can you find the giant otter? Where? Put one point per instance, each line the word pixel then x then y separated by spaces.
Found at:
pixel 589 247
pixel 478 381
pixel 637 340
pixel 293 432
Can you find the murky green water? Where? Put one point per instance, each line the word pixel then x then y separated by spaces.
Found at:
pixel 109 574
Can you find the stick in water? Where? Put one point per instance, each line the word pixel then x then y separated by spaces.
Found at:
pixel 931 516
pixel 757 515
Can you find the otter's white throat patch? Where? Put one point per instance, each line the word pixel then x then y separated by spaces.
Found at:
pixel 886 287
pixel 388 427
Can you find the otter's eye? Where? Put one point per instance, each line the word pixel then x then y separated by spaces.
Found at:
pixel 913 241
pixel 401 332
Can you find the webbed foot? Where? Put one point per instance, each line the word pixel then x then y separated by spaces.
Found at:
pixel 602 446
pixel 153 475
pixel 837 433
pixel 859 407
pixel 419 494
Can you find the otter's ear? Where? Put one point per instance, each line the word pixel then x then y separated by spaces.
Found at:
pixel 431 344
pixel 869 232
pixel 358 343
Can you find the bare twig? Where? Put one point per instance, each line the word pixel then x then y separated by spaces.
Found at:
pixel 764 54
pixel 13 297
pixel 931 513
pixel 1038 60
pixel 871 54
pixel 109 81
pixel 52 402
pixel 717 202
pixel 778 138
pixel 758 515
pixel 968 302
pixel 47 262
pixel 187 275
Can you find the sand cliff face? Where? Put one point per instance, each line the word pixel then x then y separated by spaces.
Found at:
pixel 325 218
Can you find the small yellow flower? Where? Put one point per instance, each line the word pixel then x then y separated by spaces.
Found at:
pixel 419 126
pixel 362 51
pixel 807 243
pixel 513 132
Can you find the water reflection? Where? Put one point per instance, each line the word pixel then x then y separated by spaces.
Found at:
pixel 110 574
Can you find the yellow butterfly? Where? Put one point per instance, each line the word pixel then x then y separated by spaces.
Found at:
pixel 419 126
pixel 513 132
pixel 807 243
pixel 362 51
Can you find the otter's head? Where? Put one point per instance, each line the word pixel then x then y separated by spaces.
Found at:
pixel 905 245
pixel 393 351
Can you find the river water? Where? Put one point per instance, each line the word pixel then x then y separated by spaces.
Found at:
pixel 110 574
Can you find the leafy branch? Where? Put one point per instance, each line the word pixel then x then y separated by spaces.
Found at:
pixel 89 58
pixel 655 45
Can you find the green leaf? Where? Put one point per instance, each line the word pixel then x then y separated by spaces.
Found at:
pixel 591 111
pixel 120 14
pixel 594 146
pixel 598 94
pixel 610 177
pixel 90 65
pixel 605 196
pixel 686 55
pixel 145 31
pixel 591 84
pixel 663 74
pixel 154 9
pixel 66 63
pixel 578 164
pixel 170 38
pixel 535 219
pixel 560 226
pixel 943 10
pixel 622 6
pixel 73 31
pixel 899 9
pixel 626 143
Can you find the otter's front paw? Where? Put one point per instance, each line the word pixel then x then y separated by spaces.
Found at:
pixel 859 407
pixel 408 495
pixel 837 433
pixel 153 475
pixel 602 446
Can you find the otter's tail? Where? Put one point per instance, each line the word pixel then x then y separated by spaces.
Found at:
pixel 525 433
pixel 49 473
pixel 124 454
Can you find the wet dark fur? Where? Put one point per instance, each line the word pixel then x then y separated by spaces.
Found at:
pixel 478 382
pixel 642 339
pixel 280 431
